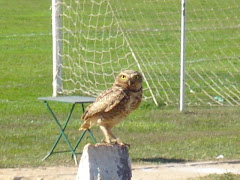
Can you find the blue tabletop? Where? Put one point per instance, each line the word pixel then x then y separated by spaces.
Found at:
pixel 69 99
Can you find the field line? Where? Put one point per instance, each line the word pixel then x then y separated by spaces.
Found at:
pixel 25 35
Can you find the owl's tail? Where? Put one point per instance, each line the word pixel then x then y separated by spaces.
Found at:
pixel 85 126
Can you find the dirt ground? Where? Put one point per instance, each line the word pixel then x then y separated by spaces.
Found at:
pixel 178 171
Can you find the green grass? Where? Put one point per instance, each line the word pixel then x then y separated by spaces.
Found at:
pixel 155 135
pixel 27 132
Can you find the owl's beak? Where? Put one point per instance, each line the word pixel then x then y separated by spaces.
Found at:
pixel 129 83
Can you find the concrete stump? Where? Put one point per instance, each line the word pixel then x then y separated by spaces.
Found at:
pixel 104 162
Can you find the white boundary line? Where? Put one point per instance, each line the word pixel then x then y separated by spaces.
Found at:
pixel 25 35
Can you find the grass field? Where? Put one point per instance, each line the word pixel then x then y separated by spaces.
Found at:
pixel 27 132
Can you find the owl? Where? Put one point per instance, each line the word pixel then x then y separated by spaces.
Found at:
pixel 114 104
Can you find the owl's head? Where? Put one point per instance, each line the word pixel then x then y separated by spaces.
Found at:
pixel 129 79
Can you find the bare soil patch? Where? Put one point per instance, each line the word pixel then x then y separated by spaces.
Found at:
pixel 171 171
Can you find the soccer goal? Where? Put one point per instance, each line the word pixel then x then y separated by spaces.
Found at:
pixel 93 40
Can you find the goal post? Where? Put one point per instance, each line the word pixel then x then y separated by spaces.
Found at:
pixel 93 40
pixel 182 56
pixel 57 47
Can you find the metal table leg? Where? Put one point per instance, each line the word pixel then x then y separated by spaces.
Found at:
pixel 62 132
pixel 62 129
pixel 83 133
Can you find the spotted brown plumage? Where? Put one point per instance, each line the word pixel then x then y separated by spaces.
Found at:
pixel 114 104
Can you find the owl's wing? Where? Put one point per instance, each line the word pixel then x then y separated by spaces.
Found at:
pixel 106 101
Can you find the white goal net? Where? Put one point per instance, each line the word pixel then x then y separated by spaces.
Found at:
pixel 212 52
pixel 100 38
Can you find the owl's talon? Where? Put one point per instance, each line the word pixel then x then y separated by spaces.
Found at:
pixel 106 142
pixel 119 142
pixel 128 145
pixel 124 144
pixel 115 142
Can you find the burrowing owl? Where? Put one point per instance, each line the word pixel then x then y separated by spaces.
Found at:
pixel 114 104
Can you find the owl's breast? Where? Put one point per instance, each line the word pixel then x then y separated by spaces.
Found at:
pixel 129 103
pixel 135 100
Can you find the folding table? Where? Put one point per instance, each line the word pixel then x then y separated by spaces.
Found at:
pixel 72 100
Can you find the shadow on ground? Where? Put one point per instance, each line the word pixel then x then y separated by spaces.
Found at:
pixel 160 160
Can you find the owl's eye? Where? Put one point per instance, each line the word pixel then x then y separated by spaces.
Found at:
pixel 136 77
pixel 123 77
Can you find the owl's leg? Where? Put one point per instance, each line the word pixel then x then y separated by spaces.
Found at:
pixel 110 133
pixel 109 136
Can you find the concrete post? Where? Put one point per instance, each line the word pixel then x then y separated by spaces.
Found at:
pixel 104 162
